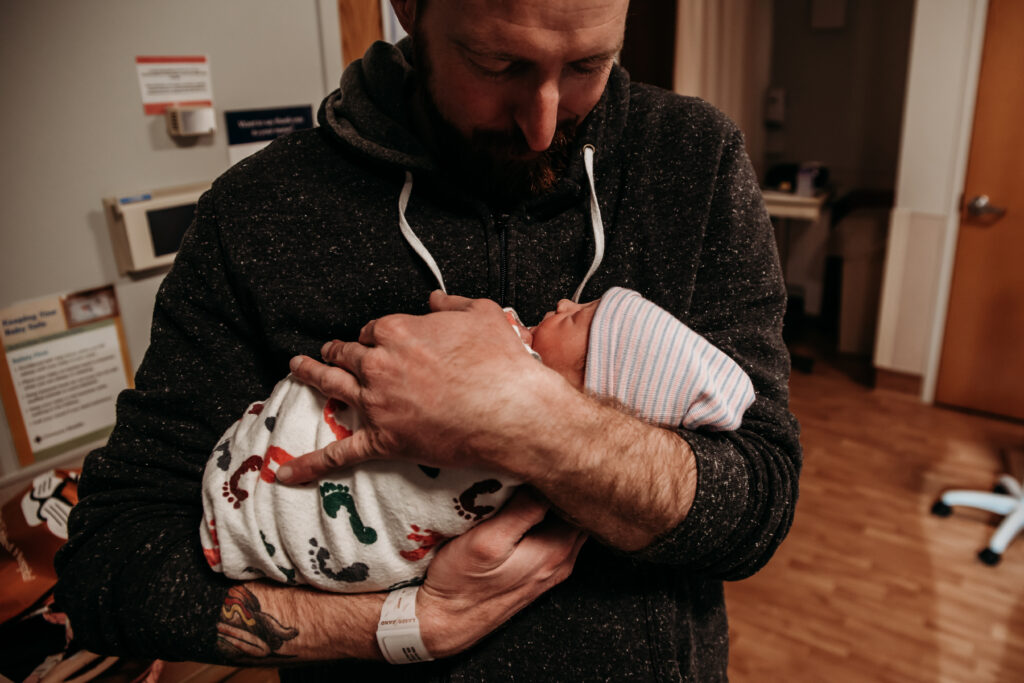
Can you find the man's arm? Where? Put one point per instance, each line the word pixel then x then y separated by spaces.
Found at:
pixel 626 481
pixel 475 584
pixel 131 576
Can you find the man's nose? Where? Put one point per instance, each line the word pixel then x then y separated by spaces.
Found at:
pixel 537 114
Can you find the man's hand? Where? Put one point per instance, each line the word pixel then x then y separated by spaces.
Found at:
pixel 481 579
pixel 474 585
pixel 442 389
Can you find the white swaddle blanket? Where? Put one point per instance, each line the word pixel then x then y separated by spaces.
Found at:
pixel 372 527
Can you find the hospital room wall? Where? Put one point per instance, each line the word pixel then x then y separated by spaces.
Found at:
pixel 72 128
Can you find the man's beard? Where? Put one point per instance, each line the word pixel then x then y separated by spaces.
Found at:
pixel 498 166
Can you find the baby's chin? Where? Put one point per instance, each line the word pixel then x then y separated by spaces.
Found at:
pixel 571 375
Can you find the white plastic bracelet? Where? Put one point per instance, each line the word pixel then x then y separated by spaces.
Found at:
pixel 398 631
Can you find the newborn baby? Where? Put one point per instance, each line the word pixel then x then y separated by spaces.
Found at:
pixel 376 526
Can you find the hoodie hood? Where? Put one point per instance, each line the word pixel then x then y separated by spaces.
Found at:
pixel 370 113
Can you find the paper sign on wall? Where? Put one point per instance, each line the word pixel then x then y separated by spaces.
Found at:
pixel 167 81
pixel 253 129
pixel 65 363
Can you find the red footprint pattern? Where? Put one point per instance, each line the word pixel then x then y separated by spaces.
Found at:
pixel 340 430
pixel 213 554
pixel 277 456
pixel 231 489
pixel 427 539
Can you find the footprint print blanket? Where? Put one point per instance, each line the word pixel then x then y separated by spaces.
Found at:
pixel 372 527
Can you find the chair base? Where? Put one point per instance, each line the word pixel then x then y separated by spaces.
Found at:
pixel 1007 500
pixel 990 558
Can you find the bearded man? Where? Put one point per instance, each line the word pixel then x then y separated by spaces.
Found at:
pixel 529 167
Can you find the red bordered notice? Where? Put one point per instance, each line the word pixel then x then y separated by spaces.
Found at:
pixel 174 81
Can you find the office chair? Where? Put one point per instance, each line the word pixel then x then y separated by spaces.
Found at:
pixel 1007 499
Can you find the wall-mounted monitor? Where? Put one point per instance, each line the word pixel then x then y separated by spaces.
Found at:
pixel 146 229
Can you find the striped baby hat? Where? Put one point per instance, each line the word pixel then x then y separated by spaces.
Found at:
pixel 660 368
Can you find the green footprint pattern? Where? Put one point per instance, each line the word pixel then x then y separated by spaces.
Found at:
pixel 335 497
pixel 289 574
pixel 267 546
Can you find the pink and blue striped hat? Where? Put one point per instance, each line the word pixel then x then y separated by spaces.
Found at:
pixel 660 368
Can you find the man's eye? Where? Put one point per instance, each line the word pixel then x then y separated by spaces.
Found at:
pixel 494 67
pixel 589 68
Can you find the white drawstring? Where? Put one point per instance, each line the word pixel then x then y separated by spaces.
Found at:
pixel 410 236
pixel 595 223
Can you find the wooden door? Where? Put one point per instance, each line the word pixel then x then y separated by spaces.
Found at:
pixel 649 46
pixel 360 24
pixel 982 366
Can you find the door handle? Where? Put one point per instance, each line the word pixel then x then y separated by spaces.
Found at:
pixel 980 206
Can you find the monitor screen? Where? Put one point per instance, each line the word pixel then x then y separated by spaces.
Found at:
pixel 167 227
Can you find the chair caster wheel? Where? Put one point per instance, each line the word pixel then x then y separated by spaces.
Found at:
pixel 990 558
pixel 941 509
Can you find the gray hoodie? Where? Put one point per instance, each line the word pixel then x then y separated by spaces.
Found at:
pixel 300 243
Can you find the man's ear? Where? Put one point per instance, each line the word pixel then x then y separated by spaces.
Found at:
pixel 405 10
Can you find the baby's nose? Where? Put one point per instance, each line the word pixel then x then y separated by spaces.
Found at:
pixel 566 305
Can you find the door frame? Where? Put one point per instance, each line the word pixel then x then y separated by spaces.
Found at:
pixel 954 214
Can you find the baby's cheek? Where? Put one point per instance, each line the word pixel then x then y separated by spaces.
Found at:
pixel 539 343
pixel 527 335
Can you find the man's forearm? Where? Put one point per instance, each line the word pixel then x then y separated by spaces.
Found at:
pixel 623 480
pixel 265 624
pixel 475 584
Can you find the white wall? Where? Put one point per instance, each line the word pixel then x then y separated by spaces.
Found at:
pixel 72 128
pixel 942 80
pixel 723 54
pixel 844 90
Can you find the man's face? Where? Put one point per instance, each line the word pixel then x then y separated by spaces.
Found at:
pixel 509 81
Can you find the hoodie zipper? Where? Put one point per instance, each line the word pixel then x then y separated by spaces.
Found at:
pixel 501 222
pixel 503 265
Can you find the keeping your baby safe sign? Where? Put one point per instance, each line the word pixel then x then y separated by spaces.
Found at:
pixel 65 363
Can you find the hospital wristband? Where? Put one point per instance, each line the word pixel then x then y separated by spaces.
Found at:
pixel 398 631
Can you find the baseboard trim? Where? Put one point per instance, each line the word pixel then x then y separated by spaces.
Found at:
pixel 901 382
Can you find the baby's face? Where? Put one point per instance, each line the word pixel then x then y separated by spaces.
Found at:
pixel 562 336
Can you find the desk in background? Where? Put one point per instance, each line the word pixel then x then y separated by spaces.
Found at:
pixel 789 205
pixel 802 255
pixel 801 232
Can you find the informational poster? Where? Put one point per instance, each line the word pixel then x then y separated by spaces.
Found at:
pixel 65 363
pixel 251 130
pixel 174 81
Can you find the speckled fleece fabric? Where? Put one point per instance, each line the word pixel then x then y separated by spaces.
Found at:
pixel 299 244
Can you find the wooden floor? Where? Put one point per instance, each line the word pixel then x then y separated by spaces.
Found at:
pixel 869 586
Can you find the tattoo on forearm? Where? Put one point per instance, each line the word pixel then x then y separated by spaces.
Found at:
pixel 245 630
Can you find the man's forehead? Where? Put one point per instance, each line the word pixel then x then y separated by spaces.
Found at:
pixel 556 14
pixel 490 25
